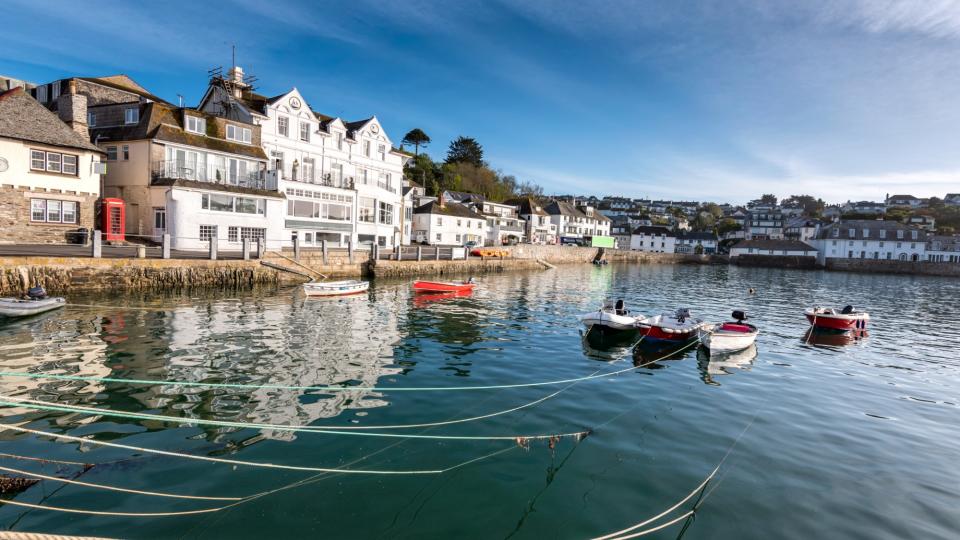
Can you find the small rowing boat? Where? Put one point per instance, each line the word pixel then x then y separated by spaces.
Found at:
pixel 335 288
pixel 35 303
pixel 729 336
pixel 677 327
pixel 443 286
pixel 843 320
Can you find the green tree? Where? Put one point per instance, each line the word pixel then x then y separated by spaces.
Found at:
pixel 713 209
pixel 811 205
pixel 465 150
pixel 727 225
pixel 422 170
pixel 417 138
pixel 768 198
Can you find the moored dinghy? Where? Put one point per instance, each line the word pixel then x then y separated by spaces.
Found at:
pixel 335 288
pixel 843 320
pixel 677 327
pixel 443 286
pixel 611 317
pixel 729 336
pixel 35 303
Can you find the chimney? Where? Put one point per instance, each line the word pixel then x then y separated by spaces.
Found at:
pixel 72 108
pixel 235 76
pixel 443 203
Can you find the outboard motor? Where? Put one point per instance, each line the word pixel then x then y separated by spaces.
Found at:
pixel 682 314
pixel 847 310
pixel 36 293
pixel 620 307
pixel 739 315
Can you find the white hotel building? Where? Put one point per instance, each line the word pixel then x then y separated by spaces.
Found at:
pixel 343 180
pixel 870 239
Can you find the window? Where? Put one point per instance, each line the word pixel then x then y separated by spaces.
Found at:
pixel 160 218
pixel 883 233
pixel 367 209
pixel 339 141
pixel 866 233
pixel 253 234
pixel 366 148
pixel 307 170
pixel 195 124
pixel 228 203
pixel 913 234
pixel 38 210
pixel 53 162
pixel 283 126
pixel 125 152
pixel 236 133
pixel 305 131
pixel 232 234
pixel 386 214
pixel 91 119
pixel 382 150
pixel 458 223
pixel 131 116
pixel 458 238
pixel 438 237
pixel 69 164
pixel 852 232
pixel 38 160
pixel 439 221
pixel 900 235
pixel 111 153
pixel 207 232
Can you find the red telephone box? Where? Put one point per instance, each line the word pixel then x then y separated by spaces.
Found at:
pixel 113 218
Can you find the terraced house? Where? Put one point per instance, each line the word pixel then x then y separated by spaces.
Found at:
pixel 342 180
pixel 49 170
pixel 194 174
pixel 870 239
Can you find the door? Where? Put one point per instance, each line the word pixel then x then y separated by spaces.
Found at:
pixel 159 223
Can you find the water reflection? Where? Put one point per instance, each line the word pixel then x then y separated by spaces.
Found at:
pixel 425 299
pixel 719 364
pixel 820 337
pixel 649 354
pixel 607 345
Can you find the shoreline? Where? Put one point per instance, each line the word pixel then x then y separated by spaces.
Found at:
pixel 77 274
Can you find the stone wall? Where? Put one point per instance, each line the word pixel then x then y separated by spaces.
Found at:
pixel 473 266
pixel 775 261
pixel 15 224
pixel 337 264
pixel 894 267
pixel 574 254
pixel 64 275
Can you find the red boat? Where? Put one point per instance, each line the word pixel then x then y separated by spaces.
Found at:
pixel 843 320
pixel 678 327
pixel 443 286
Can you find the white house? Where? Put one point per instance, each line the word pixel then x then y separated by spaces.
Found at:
pixel 764 225
pixel 767 247
pixel 905 201
pixel 696 242
pixel 870 239
pixel 449 224
pixel 575 223
pixel 539 228
pixel 504 224
pixel 653 239
pixel 49 179
pixel 802 229
pixel 943 249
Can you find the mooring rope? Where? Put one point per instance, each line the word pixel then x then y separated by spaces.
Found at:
pixel 114 488
pixel 105 513
pixel 45 460
pixel 213 459
pixel 43 406
pixel 658 527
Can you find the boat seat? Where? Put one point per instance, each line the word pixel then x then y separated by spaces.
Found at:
pixel 735 327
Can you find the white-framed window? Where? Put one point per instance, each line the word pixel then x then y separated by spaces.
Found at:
pixel 386 213
pixel 160 218
pixel 438 237
pixel 899 235
pixel 53 211
pixel 339 141
pixel 368 209
pixel 38 160
pixel 439 221
pixel 219 202
pixel 125 152
pixel 197 125
pixel 207 232
pixel 307 170
pixel 54 162
pixel 283 126
pixel 366 148
pixel 91 119
pixel 69 164
pixel 111 153
pixel 232 235
pixel 382 150
pixel 240 134
pixel 305 131
pixel 131 115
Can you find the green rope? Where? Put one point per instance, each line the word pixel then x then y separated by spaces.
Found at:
pixel 322 388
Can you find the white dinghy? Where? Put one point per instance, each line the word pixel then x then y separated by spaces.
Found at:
pixel 729 336
pixel 335 288
pixel 611 316
pixel 35 303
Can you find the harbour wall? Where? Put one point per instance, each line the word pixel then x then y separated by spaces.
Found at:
pixel 919 268
pixel 471 266
pixel 775 261
pixel 575 254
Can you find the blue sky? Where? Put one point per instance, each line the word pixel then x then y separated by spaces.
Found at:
pixel 717 99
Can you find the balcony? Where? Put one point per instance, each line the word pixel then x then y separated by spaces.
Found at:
pixel 231 176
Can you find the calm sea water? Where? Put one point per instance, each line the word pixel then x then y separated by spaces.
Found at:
pixel 831 437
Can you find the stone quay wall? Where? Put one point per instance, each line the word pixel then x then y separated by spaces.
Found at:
pixel 471 266
pixel 775 261
pixel 575 254
pixel 63 275
pixel 920 268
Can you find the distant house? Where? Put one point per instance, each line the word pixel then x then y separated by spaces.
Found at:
pixel 653 239
pixel 694 242
pixel 770 247
pixel 504 224
pixel 462 197
pixel 575 223
pixel 539 228
pixel 802 229
pixel 50 182
pixel 952 199
pixel 448 224
pixel 943 249
pixel 764 225
pixel 927 223
pixel 870 239
pixel 905 201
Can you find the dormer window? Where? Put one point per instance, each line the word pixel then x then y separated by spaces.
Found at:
pixel 197 125
pixel 131 116
pixel 883 233
pixel 239 134
pixel 914 234
pixel 866 233
pixel 852 233
pixel 283 126
pixel 900 234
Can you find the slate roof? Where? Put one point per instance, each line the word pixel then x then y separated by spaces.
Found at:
pixel 774 245
pixel 24 118
pixel 654 230
pixel 527 206
pixel 125 83
pixel 687 235
pixel 872 225
pixel 561 208
pixel 451 209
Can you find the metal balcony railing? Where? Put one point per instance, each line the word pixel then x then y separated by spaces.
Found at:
pixel 179 170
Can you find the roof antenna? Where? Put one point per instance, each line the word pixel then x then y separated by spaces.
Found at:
pixel 180 97
pixel 233 55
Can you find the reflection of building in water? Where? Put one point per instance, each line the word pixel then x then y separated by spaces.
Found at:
pixel 716 365
pixel 53 343
pixel 316 343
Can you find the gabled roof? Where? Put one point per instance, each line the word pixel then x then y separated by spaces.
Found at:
pixel 24 118
pixel 527 206
pixel 454 210
pixel 561 208
pixel 125 83
pixel 463 196
pixel 687 235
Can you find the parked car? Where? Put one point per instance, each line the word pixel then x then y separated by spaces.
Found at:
pixel 470 245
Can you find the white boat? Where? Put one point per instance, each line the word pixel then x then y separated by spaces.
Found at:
pixel 677 327
pixel 20 307
pixel 335 288
pixel 729 336
pixel 611 316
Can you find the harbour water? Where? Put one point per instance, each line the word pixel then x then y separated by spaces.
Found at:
pixel 819 436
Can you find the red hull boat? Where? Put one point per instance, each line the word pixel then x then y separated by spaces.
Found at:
pixel 843 320
pixel 443 286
